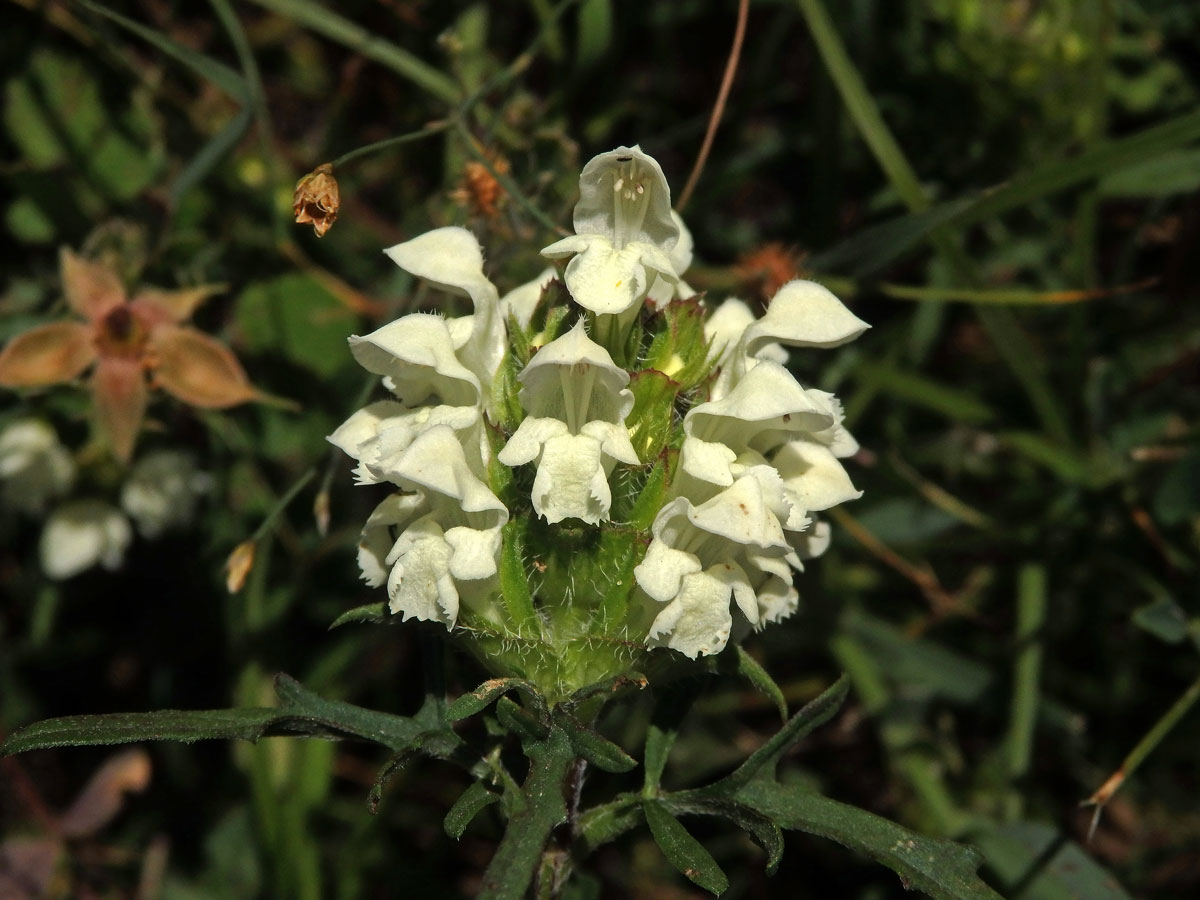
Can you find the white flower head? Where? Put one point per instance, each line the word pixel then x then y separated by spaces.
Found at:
pixel 576 399
pixel 161 491
pixel 714 517
pixel 82 534
pixel 34 467
pixel 624 232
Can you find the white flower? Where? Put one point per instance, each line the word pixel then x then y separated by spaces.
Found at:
pixel 624 231
pixel 732 545
pixel 801 314
pixel 161 491
pixel 378 433
pixel 577 400
pixel 768 419
pixel 450 533
pixel 452 259
pixel 664 290
pixel 521 301
pixel 34 467
pixel 81 534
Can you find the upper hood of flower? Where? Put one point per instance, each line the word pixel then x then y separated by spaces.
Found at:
pixel 624 196
pixel 452 259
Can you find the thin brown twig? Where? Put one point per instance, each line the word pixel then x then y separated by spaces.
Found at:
pixel 714 120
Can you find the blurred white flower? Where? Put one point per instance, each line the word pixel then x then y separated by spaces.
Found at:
pixel 34 467
pixel 161 491
pixel 82 534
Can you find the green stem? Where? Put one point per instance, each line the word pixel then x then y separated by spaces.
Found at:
pixel 269 522
pixel 350 34
pixel 386 144
pixel 543 808
pixel 1031 615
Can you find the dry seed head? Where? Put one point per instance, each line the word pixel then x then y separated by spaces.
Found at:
pixel 316 200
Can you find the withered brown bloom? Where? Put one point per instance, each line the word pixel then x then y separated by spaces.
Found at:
pixel 124 339
pixel 316 200
pixel 771 266
pixel 479 190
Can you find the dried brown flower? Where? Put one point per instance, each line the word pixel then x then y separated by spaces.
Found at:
pixel 317 199
pixel 479 190
pixel 771 266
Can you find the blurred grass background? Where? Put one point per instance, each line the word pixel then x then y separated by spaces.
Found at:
pixel 1008 191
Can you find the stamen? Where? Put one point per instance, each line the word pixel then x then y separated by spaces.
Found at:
pixel 620 183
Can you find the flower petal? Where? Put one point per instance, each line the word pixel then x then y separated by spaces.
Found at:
pixel 812 475
pixel 174 306
pixel 607 280
pixel 91 289
pixel 804 314
pixel 473 552
pixel 574 364
pixel 570 481
pixel 521 302
pixel 197 369
pixel 661 571
pixel 740 514
pixel 47 354
pixel 449 258
pixel 452 259
pixel 119 396
pixel 624 196
pixel 435 463
pixel 526 442
pixel 362 426
pixel 377 539
pixel 698 621
pixel 420 586
pixel 417 352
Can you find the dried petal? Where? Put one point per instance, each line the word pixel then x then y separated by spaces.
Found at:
pixel 48 354
pixel 91 289
pixel 101 799
pixel 197 369
pixel 120 396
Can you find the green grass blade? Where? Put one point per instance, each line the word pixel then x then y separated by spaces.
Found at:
pixel 350 34
pixel 1026 688
pixel 207 68
pixel 1001 325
